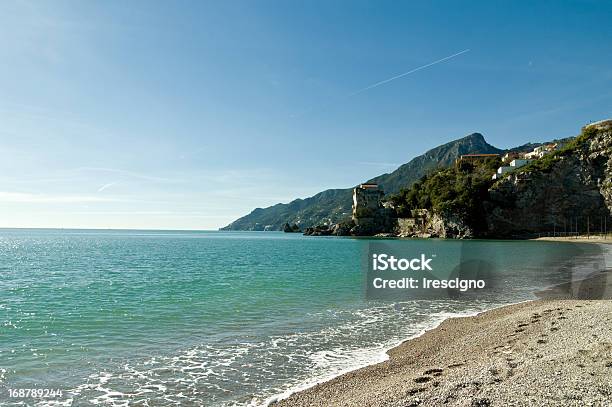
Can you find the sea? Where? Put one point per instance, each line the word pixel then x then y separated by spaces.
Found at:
pixel 164 318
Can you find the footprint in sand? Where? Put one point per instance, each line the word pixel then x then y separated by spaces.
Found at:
pixel 422 379
pixel 481 403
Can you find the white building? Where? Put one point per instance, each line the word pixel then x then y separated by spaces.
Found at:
pixel 519 162
pixel 504 169
pixel 510 156
pixel 501 171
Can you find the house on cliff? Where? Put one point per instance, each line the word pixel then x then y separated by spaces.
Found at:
pixel 370 216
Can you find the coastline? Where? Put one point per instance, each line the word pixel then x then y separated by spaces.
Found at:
pixel 579 239
pixel 492 358
pixel 384 357
pixel 517 336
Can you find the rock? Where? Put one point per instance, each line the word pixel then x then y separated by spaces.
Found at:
pixel 342 228
pixel 385 235
pixel 426 224
pixel 575 189
pixel 291 228
pixel 321 230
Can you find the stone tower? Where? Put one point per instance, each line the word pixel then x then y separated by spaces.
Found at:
pixel 369 214
pixel 366 201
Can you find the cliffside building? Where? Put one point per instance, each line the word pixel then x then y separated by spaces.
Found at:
pixel 519 162
pixel 369 214
pixel 510 156
pixel 367 200
pixel 514 164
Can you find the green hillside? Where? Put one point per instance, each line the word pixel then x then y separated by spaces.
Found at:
pixel 333 205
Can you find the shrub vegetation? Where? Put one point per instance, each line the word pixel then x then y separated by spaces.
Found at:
pixel 460 190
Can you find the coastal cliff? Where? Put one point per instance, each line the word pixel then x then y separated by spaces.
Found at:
pixel 565 191
pixel 426 224
pixel 466 189
pixel 569 192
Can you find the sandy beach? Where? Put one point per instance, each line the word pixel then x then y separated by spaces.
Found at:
pixel 539 353
pixel 579 239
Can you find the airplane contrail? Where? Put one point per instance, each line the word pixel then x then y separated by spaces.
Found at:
pixel 377 84
pixel 110 184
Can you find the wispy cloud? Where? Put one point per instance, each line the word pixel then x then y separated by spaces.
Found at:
pixel 23 197
pixel 130 174
pixel 379 164
pixel 150 213
pixel 106 186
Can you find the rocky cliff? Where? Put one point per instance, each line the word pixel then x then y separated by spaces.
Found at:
pixel 426 224
pixel 566 193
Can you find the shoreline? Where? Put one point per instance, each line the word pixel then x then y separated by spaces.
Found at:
pixel 276 399
pixel 346 389
pixel 439 366
pixel 579 239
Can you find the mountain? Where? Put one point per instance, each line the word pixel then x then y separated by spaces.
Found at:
pixel 334 205
pixel 441 156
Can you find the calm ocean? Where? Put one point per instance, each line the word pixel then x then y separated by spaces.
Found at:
pixel 217 318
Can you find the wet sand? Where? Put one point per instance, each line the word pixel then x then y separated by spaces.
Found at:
pixel 545 352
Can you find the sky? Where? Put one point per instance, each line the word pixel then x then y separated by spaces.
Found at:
pixel 189 114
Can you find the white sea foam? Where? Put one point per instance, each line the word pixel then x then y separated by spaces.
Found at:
pixel 256 373
pixel 357 359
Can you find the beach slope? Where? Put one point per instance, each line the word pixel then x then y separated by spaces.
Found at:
pixel 545 352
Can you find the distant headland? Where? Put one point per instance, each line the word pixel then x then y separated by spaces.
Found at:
pixel 467 189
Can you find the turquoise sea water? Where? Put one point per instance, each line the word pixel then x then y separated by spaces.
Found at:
pixel 217 318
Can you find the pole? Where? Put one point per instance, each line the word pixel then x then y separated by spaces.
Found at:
pixel 576 227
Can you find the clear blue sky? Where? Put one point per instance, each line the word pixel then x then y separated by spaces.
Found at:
pixel 188 115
